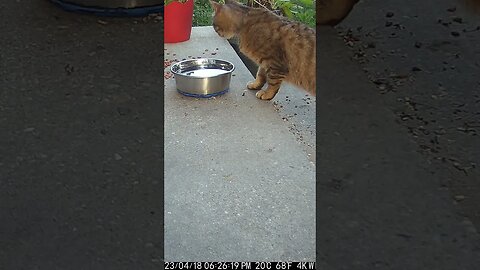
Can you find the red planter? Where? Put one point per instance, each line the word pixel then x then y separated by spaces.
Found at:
pixel 177 21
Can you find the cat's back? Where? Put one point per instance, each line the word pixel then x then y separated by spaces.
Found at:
pixel 263 26
pixel 299 42
pixel 288 43
pixel 299 47
pixel 266 22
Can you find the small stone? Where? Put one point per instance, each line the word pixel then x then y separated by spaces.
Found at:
pixel 459 198
pixel 123 110
pixel 69 69
pixel 457 19
pixel 455 33
pixel 389 14
pixel 416 69
pixel 418 44
pixel 388 24
pixel 452 9
pixel 117 156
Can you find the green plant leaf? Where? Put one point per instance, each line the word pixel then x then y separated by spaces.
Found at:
pixel 171 1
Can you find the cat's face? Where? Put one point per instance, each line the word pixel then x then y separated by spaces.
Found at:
pixel 225 21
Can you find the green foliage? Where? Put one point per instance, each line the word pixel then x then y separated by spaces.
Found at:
pixel 170 1
pixel 202 13
pixel 299 10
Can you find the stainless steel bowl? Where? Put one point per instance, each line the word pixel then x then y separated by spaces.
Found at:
pixel 116 3
pixel 205 77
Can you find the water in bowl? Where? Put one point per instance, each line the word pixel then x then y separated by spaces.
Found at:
pixel 209 72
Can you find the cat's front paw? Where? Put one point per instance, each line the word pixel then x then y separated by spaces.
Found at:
pixel 265 95
pixel 254 85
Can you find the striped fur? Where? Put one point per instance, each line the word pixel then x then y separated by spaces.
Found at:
pixel 284 50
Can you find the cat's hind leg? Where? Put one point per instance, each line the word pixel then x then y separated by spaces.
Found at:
pixel 274 80
pixel 260 80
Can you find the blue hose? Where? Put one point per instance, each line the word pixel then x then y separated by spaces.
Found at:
pixel 110 12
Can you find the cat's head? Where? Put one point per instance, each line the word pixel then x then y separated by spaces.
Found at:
pixel 227 18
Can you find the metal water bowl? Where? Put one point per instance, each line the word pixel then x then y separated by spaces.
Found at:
pixel 116 3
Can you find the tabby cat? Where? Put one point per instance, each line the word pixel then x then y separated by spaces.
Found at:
pixel 284 50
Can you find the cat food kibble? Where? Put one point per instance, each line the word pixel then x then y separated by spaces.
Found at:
pixel 167 63
pixel 167 75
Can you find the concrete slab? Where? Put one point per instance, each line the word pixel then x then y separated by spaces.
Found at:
pixel 383 205
pixel 438 102
pixel 238 185
pixel 80 140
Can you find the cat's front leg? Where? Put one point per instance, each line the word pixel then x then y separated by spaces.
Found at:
pixel 274 80
pixel 260 80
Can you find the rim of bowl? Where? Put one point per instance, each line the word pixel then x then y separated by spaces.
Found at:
pixel 200 77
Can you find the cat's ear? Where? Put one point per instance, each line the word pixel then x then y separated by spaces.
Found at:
pixel 216 6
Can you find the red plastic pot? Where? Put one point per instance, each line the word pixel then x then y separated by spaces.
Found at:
pixel 178 21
